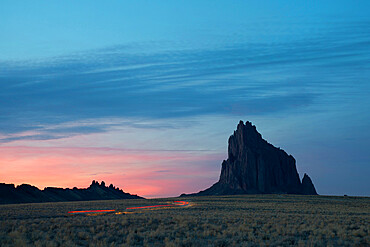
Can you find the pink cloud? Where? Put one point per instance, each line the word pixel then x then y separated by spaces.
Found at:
pixel 146 173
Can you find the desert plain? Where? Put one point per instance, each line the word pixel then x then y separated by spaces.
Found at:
pixel 240 220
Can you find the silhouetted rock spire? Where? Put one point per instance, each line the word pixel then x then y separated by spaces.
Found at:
pixel 94 183
pixel 256 166
pixel 307 186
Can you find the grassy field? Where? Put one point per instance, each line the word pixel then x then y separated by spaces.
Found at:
pixel 250 220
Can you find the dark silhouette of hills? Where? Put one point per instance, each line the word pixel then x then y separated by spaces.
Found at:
pixel 255 166
pixel 26 193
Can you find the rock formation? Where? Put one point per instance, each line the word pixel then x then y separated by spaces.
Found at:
pixel 307 186
pixel 26 193
pixel 255 166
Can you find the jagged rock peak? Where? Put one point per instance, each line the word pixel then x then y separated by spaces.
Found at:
pixel 255 166
pixel 307 186
pixel 94 183
pixel 247 128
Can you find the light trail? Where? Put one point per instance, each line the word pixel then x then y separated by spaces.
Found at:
pixel 91 211
pixel 175 204
pixel 182 203
pixel 131 209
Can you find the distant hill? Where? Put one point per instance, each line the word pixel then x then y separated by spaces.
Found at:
pixel 26 193
pixel 255 166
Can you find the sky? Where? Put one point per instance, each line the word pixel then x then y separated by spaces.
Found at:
pixel 144 94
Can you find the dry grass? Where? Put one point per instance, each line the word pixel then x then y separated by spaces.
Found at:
pixel 251 220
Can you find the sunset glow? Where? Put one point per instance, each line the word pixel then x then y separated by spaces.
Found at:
pixel 147 174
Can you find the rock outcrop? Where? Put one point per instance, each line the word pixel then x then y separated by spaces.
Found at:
pixel 26 193
pixel 255 166
pixel 307 186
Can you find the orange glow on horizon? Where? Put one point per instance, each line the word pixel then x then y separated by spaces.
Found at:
pixel 150 174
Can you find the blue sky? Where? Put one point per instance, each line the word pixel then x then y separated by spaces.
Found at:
pixel 178 76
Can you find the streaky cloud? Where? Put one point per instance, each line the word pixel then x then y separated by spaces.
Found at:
pixel 235 80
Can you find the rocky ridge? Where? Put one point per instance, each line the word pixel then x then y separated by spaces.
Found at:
pixel 26 193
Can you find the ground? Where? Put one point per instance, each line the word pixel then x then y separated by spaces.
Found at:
pixel 248 220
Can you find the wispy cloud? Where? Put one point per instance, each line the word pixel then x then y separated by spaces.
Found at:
pixel 117 82
pixel 121 81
